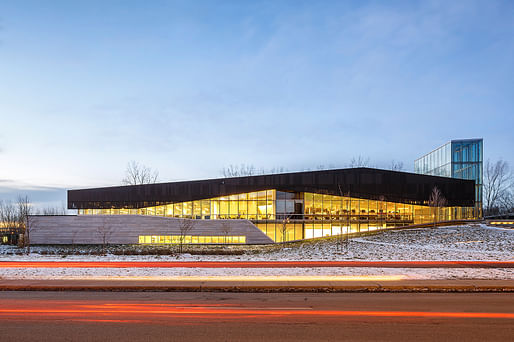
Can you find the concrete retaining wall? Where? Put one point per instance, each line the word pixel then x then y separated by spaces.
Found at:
pixel 125 229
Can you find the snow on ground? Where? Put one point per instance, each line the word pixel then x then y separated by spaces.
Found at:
pixel 448 243
pixel 470 242
pixel 267 273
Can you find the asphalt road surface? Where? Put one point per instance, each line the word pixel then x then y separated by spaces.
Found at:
pixel 187 316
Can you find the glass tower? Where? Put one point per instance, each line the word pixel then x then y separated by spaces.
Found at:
pixel 458 159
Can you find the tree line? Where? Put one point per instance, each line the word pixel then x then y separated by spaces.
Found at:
pixel 242 170
pixel 13 214
pixel 498 188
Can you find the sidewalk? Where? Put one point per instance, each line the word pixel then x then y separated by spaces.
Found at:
pixel 255 264
pixel 259 286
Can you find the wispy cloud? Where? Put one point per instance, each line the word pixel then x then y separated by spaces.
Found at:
pixel 292 84
pixel 40 196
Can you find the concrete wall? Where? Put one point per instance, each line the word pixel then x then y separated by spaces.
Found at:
pixel 125 229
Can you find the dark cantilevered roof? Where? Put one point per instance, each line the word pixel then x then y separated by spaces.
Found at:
pixel 364 183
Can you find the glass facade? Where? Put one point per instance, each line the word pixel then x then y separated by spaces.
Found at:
pixel 288 216
pixel 436 163
pixel 191 239
pixel 467 163
pixel 457 159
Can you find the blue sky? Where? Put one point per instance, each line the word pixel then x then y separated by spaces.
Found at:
pixel 188 87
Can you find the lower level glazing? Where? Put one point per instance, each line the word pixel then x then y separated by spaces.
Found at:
pixel 287 216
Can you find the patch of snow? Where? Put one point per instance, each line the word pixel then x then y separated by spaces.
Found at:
pixel 469 242
pixel 223 273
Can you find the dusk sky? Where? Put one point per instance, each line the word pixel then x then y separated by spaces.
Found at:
pixel 188 87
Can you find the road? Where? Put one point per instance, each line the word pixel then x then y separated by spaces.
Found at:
pixel 186 316
pixel 254 264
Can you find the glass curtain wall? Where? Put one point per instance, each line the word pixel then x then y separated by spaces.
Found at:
pixel 287 216
pixel 467 163
pixel 457 159
pixel 436 163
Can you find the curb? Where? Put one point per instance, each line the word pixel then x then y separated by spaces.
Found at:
pixel 264 289
pixel 442 286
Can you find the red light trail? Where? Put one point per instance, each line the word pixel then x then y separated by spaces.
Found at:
pixel 113 312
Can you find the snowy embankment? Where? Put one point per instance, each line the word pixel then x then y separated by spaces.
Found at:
pixel 473 242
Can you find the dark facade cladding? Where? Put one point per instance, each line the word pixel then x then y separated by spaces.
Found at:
pixel 365 183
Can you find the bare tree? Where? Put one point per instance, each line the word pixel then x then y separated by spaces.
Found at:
pixel 226 228
pixel 24 208
pixel 8 214
pixel 53 211
pixel 275 170
pixel 436 200
pixel 9 218
pixel 104 231
pixel 249 170
pixel 137 173
pixel 31 227
pixel 283 228
pixel 48 211
pixel 15 216
pixel 396 165
pixel 344 237
pixel 238 170
pixel 185 227
pixel 506 203
pixel 498 183
pixel 359 161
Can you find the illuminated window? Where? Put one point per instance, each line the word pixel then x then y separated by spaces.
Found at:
pixel 169 210
pixel 190 239
pixel 311 215
pixel 177 210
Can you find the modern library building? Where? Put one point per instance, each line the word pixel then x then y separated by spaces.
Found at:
pixel 257 209
pixel 462 158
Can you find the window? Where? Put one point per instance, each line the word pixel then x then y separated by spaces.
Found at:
pixel 190 239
